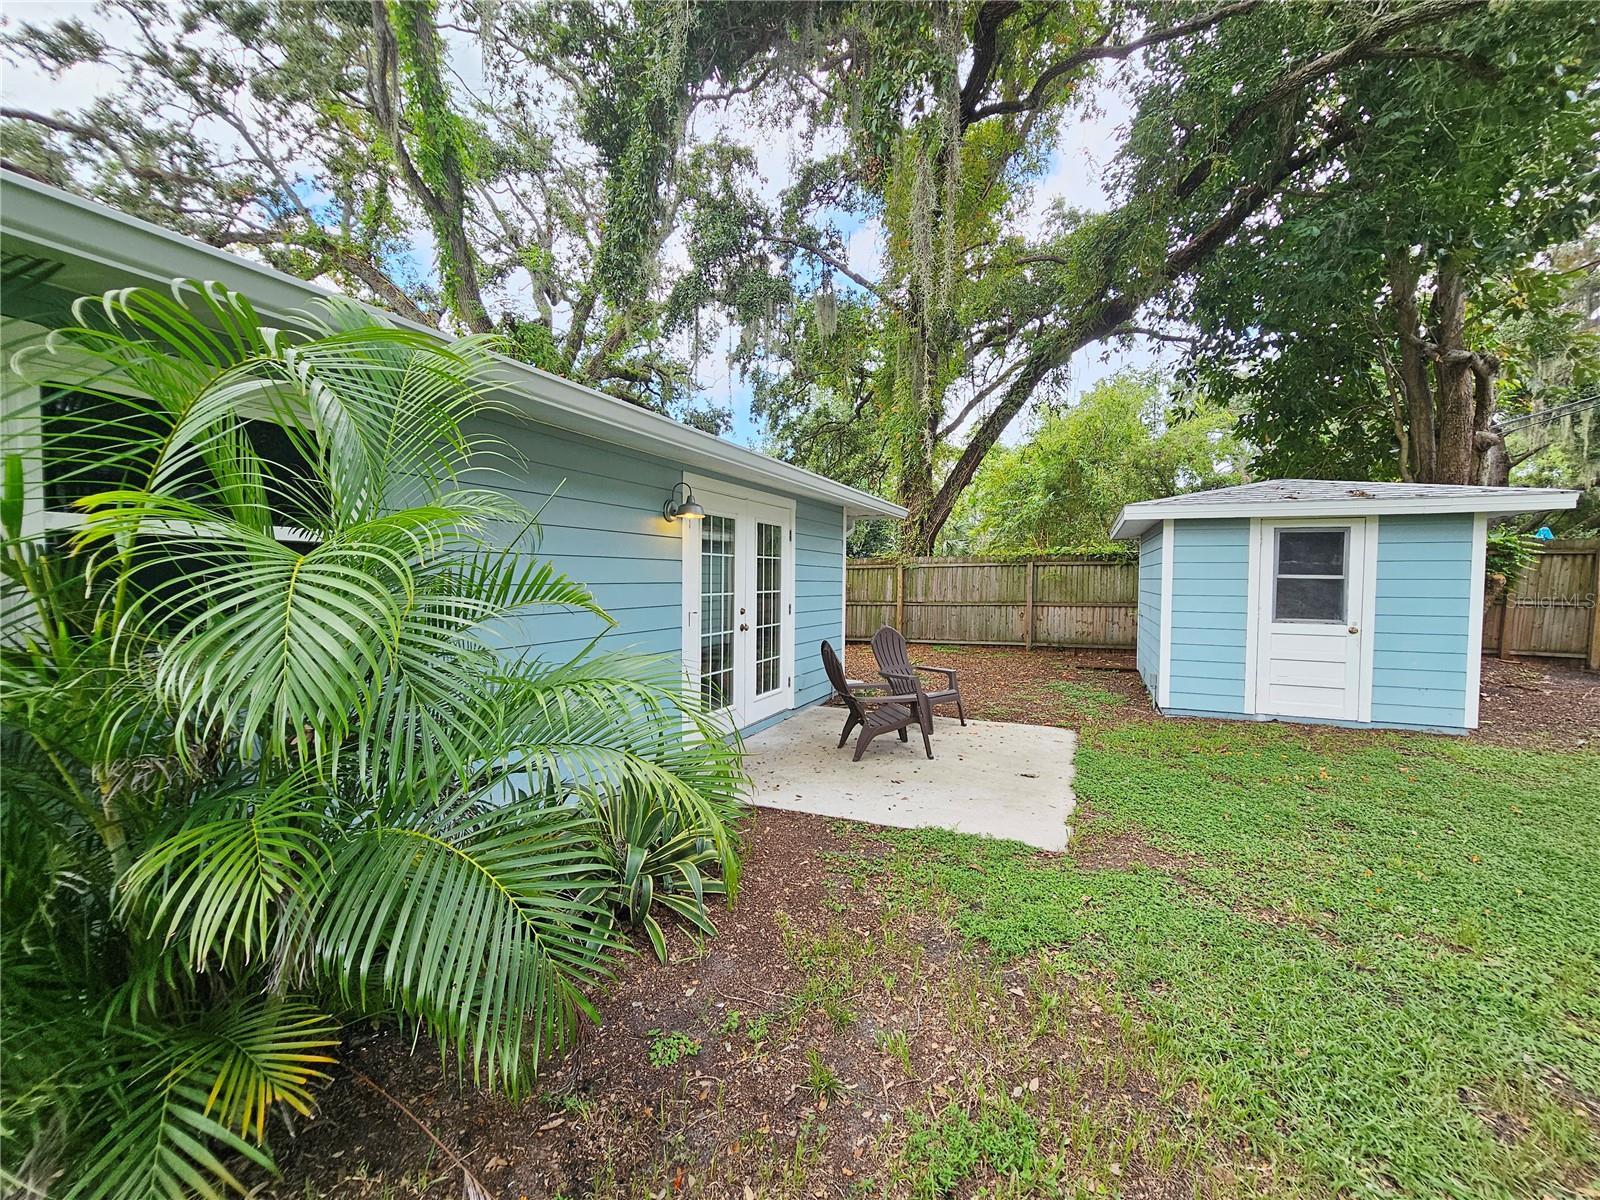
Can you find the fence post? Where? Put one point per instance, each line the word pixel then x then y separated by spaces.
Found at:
pixel 900 598
pixel 1027 611
pixel 1594 614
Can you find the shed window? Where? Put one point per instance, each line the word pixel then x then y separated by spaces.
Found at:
pixel 1312 575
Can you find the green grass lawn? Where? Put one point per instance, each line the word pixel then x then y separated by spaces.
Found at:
pixel 1379 960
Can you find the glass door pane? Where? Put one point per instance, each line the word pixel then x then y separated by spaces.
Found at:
pixel 717 586
pixel 769 608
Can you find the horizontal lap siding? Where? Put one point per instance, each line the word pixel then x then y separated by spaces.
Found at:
pixel 1148 656
pixel 1210 563
pixel 602 526
pixel 819 594
pixel 1419 660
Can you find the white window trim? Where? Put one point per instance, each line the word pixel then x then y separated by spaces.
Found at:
pixel 1347 601
pixel 22 427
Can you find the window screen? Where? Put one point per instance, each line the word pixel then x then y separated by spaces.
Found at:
pixel 1312 570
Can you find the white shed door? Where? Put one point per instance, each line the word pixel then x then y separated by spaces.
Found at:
pixel 1310 631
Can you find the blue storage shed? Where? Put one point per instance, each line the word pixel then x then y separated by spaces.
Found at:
pixel 1319 600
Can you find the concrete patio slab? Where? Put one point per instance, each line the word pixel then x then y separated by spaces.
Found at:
pixel 991 777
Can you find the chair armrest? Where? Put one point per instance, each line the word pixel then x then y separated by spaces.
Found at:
pixel 947 672
pixel 875 700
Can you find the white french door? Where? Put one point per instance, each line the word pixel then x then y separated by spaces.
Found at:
pixel 738 604
pixel 1313 619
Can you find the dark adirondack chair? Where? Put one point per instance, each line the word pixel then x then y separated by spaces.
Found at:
pixel 894 662
pixel 877 714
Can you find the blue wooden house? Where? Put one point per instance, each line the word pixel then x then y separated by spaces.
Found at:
pixel 699 548
pixel 1314 600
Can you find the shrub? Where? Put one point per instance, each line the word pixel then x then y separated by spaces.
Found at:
pixel 258 784
pixel 1507 558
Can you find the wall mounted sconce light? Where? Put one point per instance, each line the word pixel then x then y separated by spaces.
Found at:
pixel 688 508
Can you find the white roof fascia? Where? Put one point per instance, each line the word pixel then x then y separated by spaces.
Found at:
pixel 1134 519
pixel 83 231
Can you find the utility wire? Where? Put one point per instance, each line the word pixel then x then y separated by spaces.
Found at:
pixel 1545 416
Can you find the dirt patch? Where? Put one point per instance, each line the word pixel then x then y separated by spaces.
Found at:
pixel 1529 702
pixel 826 1040
pixel 1097 848
pixel 1035 687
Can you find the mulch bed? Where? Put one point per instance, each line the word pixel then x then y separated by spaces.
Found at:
pixel 1539 702
pixel 742 1120
pixel 1007 683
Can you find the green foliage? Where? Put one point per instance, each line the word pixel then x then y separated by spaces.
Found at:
pixel 256 788
pixel 354 139
pixel 1125 441
pixel 946 1150
pixel 822 1079
pixel 1509 555
pixel 660 841
pixel 1317 368
pixel 670 1047
pixel 1378 944
pixel 1088 699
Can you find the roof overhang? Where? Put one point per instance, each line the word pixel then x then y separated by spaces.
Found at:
pixel 102 248
pixel 1135 519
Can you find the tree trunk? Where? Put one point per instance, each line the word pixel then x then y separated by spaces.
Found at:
pixel 1413 372
pixel 1448 388
pixel 1454 398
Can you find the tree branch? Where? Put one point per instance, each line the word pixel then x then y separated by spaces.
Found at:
pixel 837 264
pixel 101 138
pixel 972 113
pixel 1154 334
pixel 388 292
pixel 978 398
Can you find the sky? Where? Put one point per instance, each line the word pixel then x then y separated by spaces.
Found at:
pixel 1073 174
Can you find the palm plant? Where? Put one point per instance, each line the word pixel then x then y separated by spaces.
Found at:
pixel 264 769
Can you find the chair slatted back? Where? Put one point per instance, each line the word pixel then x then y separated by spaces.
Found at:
pixel 894 659
pixel 836 676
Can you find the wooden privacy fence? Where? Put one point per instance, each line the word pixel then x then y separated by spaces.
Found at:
pixel 1553 611
pixel 973 601
pixel 1094 604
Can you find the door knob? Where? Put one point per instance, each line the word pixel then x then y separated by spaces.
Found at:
pixel 744 628
pixel 1355 629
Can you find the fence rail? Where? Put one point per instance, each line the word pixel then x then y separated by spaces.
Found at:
pixel 1553 612
pixel 1054 602
pixel 1092 604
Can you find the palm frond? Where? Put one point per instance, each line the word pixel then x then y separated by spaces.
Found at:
pixel 160 1144
pixel 467 919
pixel 221 881
pixel 252 1055
pixel 435 714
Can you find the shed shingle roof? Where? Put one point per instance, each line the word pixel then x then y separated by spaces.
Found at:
pixel 1336 498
